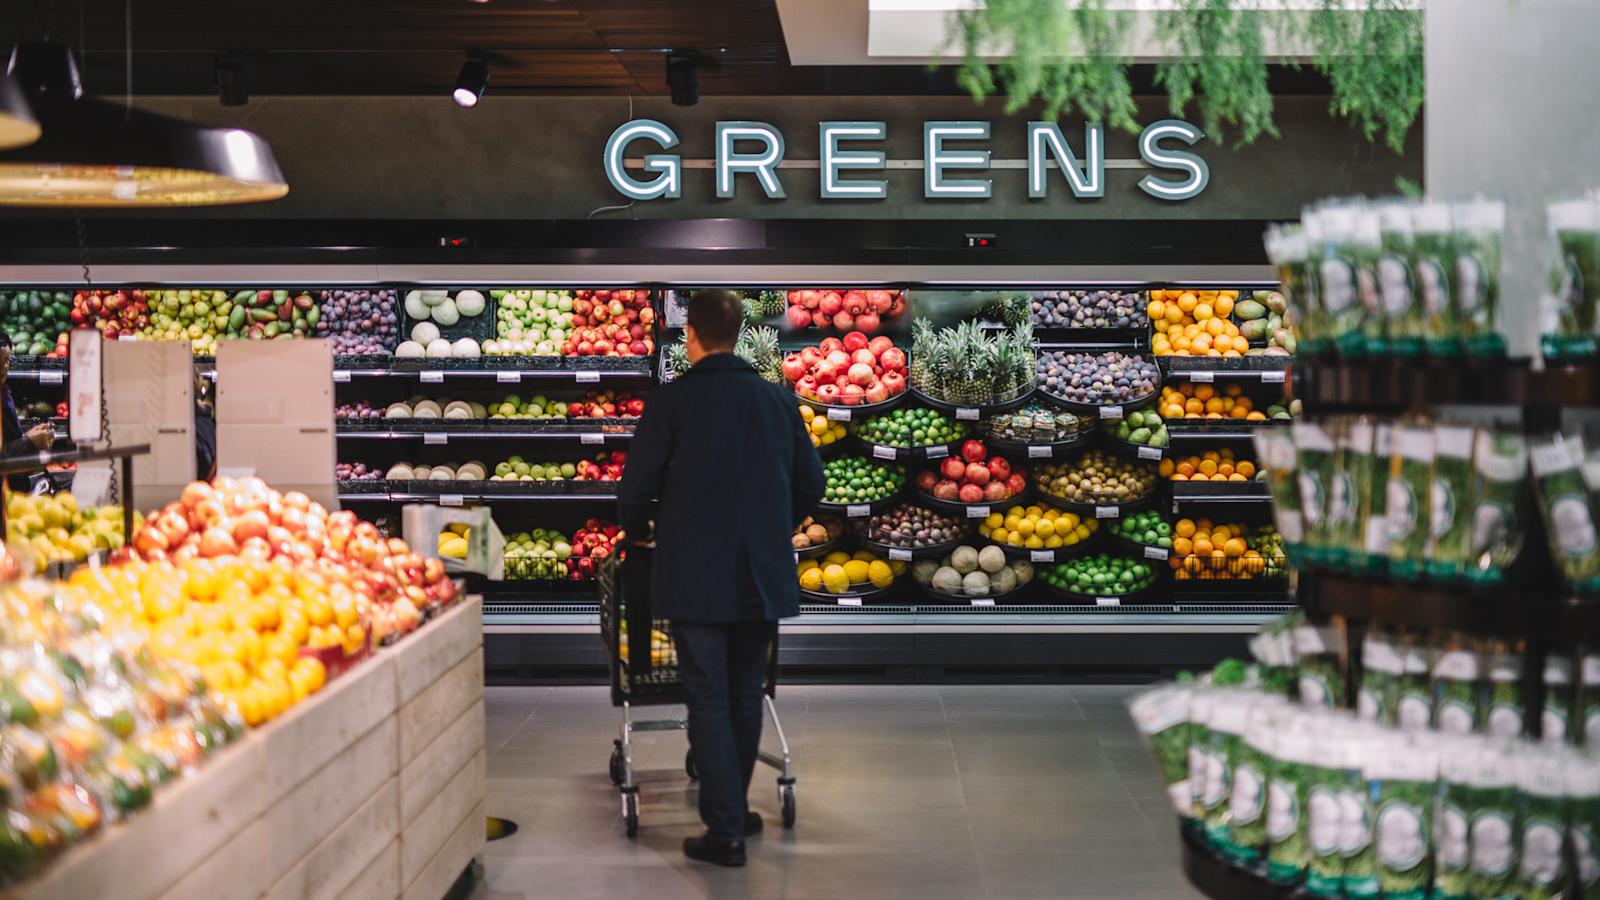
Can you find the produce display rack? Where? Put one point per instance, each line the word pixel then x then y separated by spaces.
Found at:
pixel 41 461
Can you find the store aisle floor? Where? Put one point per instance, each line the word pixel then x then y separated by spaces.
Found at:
pixel 904 791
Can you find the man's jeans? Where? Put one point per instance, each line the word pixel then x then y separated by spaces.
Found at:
pixel 723 669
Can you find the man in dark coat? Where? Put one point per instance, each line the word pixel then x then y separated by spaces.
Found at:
pixel 726 456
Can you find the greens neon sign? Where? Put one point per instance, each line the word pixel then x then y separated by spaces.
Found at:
pixel 756 149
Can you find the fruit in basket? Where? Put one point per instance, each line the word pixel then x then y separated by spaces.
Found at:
pixel 1101 575
pixel 1037 528
pixel 607 404
pixel 848 310
pixel 812 532
pixel 611 323
pixel 910 527
pixel 822 430
pixel 512 406
pixel 1188 400
pixel 1101 379
pixel 38 321
pixel 1195 323
pixel 1089 309
pixel 968 365
pixel 1265 318
pixel 357 472
pixel 1149 528
pixel 1143 427
pixel 973 476
pixel 530 322
pixel 596 540
pixel 909 427
pixel 1203 550
pixel 54 528
pixel 422 305
pixel 851 479
pixel 1097 477
pixel 840 572
pixel 355 322
pixel 1213 465
pixel 542 554
pixel 848 371
pixel 970 572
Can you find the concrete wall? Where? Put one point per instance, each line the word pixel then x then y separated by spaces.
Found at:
pixel 539 158
pixel 1513 111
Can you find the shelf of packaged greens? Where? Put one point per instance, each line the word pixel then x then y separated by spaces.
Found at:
pixel 1486 610
pixel 1395 382
pixel 971 412
pixel 1221 880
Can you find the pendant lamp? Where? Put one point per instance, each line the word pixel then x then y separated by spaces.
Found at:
pixel 18 127
pixel 96 153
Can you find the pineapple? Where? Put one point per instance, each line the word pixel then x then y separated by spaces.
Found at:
pixel 675 360
pixel 923 340
pixel 773 303
pixel 758 346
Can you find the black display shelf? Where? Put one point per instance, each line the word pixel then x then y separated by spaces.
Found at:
pixel 972 412
pixel 1397 383
pixel 510 369
pixel 974 511
pixel 906 554
pixel 1219 492
pixel 1046 555
pixel 566 487
pixel 1036 450
pixel 1132 450
pixel 1115 510
pixel 857 595
pixel 818 550
pixel 1132 547
pixel 1104 411
pixel 1220 880
pixel 839 412
pixel 870 508
pixel 1491 611
pixel 886 453
pixel 1018 594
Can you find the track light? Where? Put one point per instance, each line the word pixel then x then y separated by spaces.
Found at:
pixel 471 83
pixel 683 79
pixel 231 87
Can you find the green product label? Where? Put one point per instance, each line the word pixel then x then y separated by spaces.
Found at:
pixel 1542 863
pixel 1574 529
pixel 1402 838
pixel 1394 283
pixel 1492 848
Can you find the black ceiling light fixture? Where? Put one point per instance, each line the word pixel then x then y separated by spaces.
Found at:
pixel 96 153
pixel 232 89
pixel 18 126
pixel 683 78
pixel 471 83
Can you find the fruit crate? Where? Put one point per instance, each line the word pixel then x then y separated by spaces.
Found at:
pixel 335 660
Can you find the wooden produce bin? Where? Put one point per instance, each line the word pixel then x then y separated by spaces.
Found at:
pixel 374 788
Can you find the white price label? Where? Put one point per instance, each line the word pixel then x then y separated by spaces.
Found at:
pixel 434 437
pixel 839 415
pixel 977 512
pixel 857 510
pixel 1200 377
pixel 341 376
pixel 451 500
pixel 1110 412
pixel 1149 452
pixel 982 601
pixel 1155 553
pixel 882 452
pixel 1036 451
pixel 938 452
pixel 849 601
pixel 91 485
pixel 591 438
pixel 1107 601
pixel 1272 377
pixel 508 377
pixel 1041 555
pixel 966 414
pixel 49 376
pixel 1107 512
pixel 900 553
pixel 127 337
pixel 432 377
pixel 586 376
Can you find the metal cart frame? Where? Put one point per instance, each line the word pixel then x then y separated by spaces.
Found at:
pixel 624 581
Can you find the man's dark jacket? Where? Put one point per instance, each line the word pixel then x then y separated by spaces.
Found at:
pixel 726 455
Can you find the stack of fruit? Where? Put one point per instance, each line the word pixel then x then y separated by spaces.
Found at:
pixel 536 407
pixel 970 572
pixel 969 366
pixel 1143 427
pixel 843 573
pixel 611 323
pixel 756 345
pixel 357 472
pixel 359 322
pixel 851 479
pixel 824 432
pixel 973 476
pixel 1264 318
pixel 112 313
pixel 596 540
pixel 1195 323
pixel 471 470
pixel 1188 400
pixel 1212 465
pixel 438 306
pixel 813 532
pixel 843 310
pixel 54 529
pixel 452 543
pixel 530 322
pixel 538 555
pixel 910 427
pixel 443 408
pixel 1089 309
pixel 1097 477
pixel 663 652
pixel 1101 575
pixel 428 341
pixel 606 404
pixel 1202 550
pixel 38 321
pixel 910 527
pixel 360 409
pixel 848 371
pixel 1097 379
pixel 606 466
pixel 1149 528
pixel 1038 424
pixel 1037 528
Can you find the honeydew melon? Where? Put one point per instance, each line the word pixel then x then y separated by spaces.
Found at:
pixel 397 411
pixel 410 350
pixel 446 313
pixel 458 406
pixel 465 348
pixel 421 473
pixel 434 298
pixel 399 472
pixel 427 409
pixel 439 349
pixel 470 303
pixel 442 473
pixel 415 308
pixel 425 333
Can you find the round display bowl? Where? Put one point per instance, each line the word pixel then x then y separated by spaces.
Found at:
pixel 971 412
pixel 858 510
pixel 1014 595
pixel 1105 411
pixel 1105 510
pixel 839 412
pixel 823 549
pixel 1132 450
pixel 1015 449
pixel 887 453
pixel 970 510
pixel 857 595
pixel 906 554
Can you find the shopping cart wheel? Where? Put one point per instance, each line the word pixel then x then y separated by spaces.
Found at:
pixel 786 803
pixel 616 762
pixel 630 813
pixel 688 765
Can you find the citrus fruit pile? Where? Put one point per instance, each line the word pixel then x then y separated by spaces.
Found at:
pixel 851 479
pixel 1037 528
pixel 1101 574
pixel 1212 465
pixel 840 572
pixel 1195 323
pixel 823 431
pixel 1202 550
pixel 1188 400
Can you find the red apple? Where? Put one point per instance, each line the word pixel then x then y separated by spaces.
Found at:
pixel 953 468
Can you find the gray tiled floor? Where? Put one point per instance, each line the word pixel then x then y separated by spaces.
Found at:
pixel 911 791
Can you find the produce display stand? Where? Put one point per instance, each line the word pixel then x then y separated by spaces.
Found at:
pixel 971 412
pixel 1046 554
pixel 1015 595
pixel 1104 411
pixel 1115 509
pixel 1132 450
pixel 906 554
pixel 972 510
pixel 887 453
pixel 41 461
pixel 840 413
pixel 861 510
pixel 374 787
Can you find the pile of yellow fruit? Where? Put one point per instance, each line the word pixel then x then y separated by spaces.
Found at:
pixel 1037 528
pixel 1188 400
pixel 453 541
pixel 1201 550
pixel 840 572
pixel 1195 323
pixel 241 623
pixel 1213 465
pixel 663 652
pixel 822 429
pixel 53 528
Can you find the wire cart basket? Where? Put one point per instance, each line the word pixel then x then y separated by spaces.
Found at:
pixel 644 672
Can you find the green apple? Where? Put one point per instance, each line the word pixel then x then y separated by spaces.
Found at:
pixel 568 470
pixel 520 467
pixel 502 469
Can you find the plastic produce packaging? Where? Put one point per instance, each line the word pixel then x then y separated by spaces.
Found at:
pixel 1406 500
pixel 1402 308
pixel 1435 265
pixel 1568 508
pixel 1449 523
pixel 1400 771
pixel 1567 312
pixel 1478 234
pixel 1499 504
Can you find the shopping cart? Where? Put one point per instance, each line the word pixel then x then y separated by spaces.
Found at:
pixel 644 672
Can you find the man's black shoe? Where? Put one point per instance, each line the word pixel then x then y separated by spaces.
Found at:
pixel 752 824
pixel 712 850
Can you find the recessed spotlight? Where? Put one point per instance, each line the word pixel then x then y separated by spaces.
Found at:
pixel 471 83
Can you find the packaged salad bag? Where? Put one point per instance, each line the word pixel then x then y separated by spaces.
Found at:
pixel 1555 720
pixel 1568 508
pixel 1406 501
pixel 1434 264
pixel 1479 228
pixel 1381 668
pixel 1252 772
pixel 1499 504
pixel 1456 677
pixel 1583 793
pixel 1449 527
pixel 1287 250
pixel 1567 320
pixel 1503 716
pixel 1542 784
pixel 1328 781
pixel 1294 756
pixel 1162 716
pixel 1275 454
pixel 1402 772
pixel 1319 658
pixel 1396 280
pixel 1337 258
pixel 1230 716
pixel 1315 457
pixel 1493 820
pixel 1414 709
pixel 1452 825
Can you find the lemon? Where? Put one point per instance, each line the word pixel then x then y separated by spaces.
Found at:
pixel 819 427
pixel 864 556
pixel 897 566
pixel 835 580
pixel 855 571
pixel 811 579
pixel 1015 539
pixel 1034 542
pixel 1000 535
pixel 879 573
pixel 994 520
pixel 807 413
pixel 1025 528
pixel 1053 541
pixel 806 565
pixel 1044 528
pixel 836 558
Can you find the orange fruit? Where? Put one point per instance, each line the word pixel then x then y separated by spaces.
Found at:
pixel 1187 301
pixel 1246 468
pixel 1223 305
pixel 1184 528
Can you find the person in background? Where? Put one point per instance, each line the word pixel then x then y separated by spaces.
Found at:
pixel 205 431
pixel 726 456
pixel 13 440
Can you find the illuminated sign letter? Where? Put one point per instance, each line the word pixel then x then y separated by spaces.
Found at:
pixel 1045 141
pixel 1197 172
pixel 935 159
pixel 668 168
pixel 763 164
pixel 835 160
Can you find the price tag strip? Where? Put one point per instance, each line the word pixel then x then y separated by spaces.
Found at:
pixel 977 512
pixel 1041 556
pixel 982 601
pixel 432 377
pixel 591 438
pixel 1107 601
pixel 966 414
pixel 857 510
pixel 900 553
pixel 508 377
pixel 1202 377
pixel 849 601
pixel 1155 553
pixel 1036 451
pixel 881 452
pixel 434 437
pixel 1272 377
pixel 586 376
pixel 937 452
pixel 838 415
pixel 341 376
pixel 1110 412
pixel 1107 512
pixel 452 500
pixel 1150 453
pixel 49 376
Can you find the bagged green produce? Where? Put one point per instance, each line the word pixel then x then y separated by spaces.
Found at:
pixel 1230 716
pixel 1357 804
pixel 1542 782
pixel 1365 250
pixel 1435 263
pixel 1479 228
pixel 1452 825
pixel 1315 455
pixel 1288 852
pixel 1328 779
pixel 1396 280
pixel 1317 322
pixel 1406 506
pixel 1414 709
pixel 1555 721
pixel 1381 668
pixel 1376 490
pixel 1504 715
pixel 1318 658
pixel 1273 649
pixel 1493 821
pixel 1568 509
pixel 1162 716
pixel 1252 770
pixel 1588 718
pixel 1286 247
pixel 1343 525
pixel 1567 320
pixel 1275 454
pixel 1449 526
pixel 1200 705
pixel 1339 286
pixel 1499 504
pixel 1402 771
pixel 1456 675
pixel 1583 794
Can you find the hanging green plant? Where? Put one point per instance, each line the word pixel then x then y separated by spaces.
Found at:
pixel 1229 86
pixel 1373 59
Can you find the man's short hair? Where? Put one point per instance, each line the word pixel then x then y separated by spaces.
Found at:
pixel 716 316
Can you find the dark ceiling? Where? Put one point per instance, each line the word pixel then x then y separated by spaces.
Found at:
pixel 416 47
